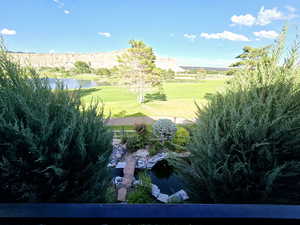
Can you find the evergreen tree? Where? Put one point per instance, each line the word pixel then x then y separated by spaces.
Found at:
pixel 52 148
pixel 137 68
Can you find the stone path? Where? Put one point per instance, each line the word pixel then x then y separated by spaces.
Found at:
pixel 127 178
pixel 144 119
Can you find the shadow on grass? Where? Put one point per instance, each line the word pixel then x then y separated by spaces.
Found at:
pixel 84 91
pixel 208 96
pixel 157 96
pixel 124 114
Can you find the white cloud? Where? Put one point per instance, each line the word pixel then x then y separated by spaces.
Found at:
pixel 264 17
pixel 226 35
pixel 269 34
pixel 52 51
pixel 6 31
pixel 247 20
pixel 66 11
pixel 59 3
pixel 192 37
pixel 105 34
pixel 291 8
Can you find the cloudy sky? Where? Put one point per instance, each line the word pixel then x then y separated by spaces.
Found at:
pixel 196 32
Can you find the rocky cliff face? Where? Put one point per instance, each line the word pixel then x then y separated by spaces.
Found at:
pixel 97 60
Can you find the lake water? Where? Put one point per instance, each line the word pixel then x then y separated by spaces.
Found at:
pixel 74 83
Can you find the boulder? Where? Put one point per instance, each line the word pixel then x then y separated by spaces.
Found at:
pixel 155 190
pixel 179 196
pixel 142 153
pixel 141 164
pixel 163 197
pixel 156 158
pixel 121 165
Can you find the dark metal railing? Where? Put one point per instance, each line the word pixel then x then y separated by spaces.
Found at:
pixel 44 213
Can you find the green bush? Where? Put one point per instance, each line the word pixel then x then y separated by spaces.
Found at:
pixel 182 137
pixel 152 151
pixel 134 143
pixel 142 132
pixel 141 193
pixel 246 144
pixel 111 194
pixel 103 72
pixel 82 67
pixel 53 149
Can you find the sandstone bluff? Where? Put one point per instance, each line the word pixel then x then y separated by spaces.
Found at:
pixel 97 60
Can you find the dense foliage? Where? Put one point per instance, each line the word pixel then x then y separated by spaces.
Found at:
pixel 142 192
pixel 52 149
pixel 246 144
pixel 82 67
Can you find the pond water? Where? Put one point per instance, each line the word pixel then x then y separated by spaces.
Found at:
pixel 161 175
pixel 74 83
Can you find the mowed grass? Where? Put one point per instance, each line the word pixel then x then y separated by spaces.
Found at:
pixel 181 98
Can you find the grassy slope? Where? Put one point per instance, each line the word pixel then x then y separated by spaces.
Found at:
pixel 181 98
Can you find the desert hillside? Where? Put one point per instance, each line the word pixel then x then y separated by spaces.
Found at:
pixel 97 60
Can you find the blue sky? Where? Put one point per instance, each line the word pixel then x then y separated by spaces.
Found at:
pixel 195 32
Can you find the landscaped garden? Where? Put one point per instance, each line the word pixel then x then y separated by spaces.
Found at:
pixel 56 145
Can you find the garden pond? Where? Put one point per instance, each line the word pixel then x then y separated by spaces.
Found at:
pixel 161 175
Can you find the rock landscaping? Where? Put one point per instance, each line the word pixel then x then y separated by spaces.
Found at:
pixel 143 161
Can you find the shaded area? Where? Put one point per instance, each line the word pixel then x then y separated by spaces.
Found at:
pixel 164 177
pixel 157 96
pixel 85 92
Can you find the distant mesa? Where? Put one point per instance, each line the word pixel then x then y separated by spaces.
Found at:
pixel 97 60
pixel 205 68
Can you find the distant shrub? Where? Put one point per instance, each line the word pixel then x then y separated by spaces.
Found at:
pixel 53 149
pixel 103 71
pixel 164 129
pixel 157 96
pixel 82 67
pixel 246 144
pixel 182 137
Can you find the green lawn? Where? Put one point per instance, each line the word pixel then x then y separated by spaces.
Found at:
pixel 181 98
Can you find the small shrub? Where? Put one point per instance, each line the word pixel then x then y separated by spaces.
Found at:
pixel 153 151
pixel 142 192
pixel 142 132
pixel 164 129
pixel 134 143
pixel 182 137
pixel 111 194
